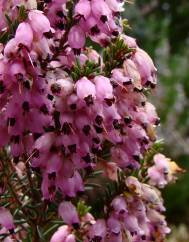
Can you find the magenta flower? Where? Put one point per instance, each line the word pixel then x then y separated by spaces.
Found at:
pixel 83 8
pixel 98 231
pixel 6 219
pixel 39 22
pixel 70 114
pixel 63 234
pixel 86 90
pixel 68 213
pixel 76 38
pixel 24 35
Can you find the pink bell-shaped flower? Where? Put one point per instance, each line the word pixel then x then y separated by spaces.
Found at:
pixel 97 231
pixel 86 90
pixel 68 213
pixel 83 8
pixel 24 34
pixel 63 235
pixel 39 22
pixel 6 219
pixel 76 37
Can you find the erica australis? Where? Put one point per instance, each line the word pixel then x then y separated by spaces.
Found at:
pixel 79 156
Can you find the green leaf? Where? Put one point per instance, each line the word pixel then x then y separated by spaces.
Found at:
pixel 82 208
pixel 4 36
pixel 114 55
pixel 22 13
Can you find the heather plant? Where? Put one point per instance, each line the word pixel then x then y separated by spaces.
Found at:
pixel 79 159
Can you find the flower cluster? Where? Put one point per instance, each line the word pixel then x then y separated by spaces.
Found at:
pixel 65 111
pixel 132 216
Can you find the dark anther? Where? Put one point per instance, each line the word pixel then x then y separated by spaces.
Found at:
pixel 11 231
pixel 53 149
pixel 96 140
pixel 130 166
pixel 143 103
pixel 55 88
pixel 66 128
pixel 67 198
pixel 48 35
pixel 77 51
pixel 136 89
pixel 60 14
pixel 72 148
pixel 2 87
pixel 118 14
pixel 26 84
pixel 157 122
pixel 98 129
pixel 109 101
pixel 52 176
pixel 36 169
pixel 127 83
pixel 47 1
pixel 50 97
pixel 143 237
pixel 145 141
pixel 60 25
pixel 56 116
pixel 95 150
pixel 99 119
pixel 76 225
pixel 95 30
pixel 77 18
pixel 26 106
pixel 136 157
pixel 114 84
pixel 89 100
pixel 147 84
pixel 152 85
pixel 36 135
pixel 116 124
pixel 88 170
pixel 87 158
pixel 73 106
pixel 104 18
pixel 86 129
pixel 17 139
pixel 16 160
pixel 44 64
pixel 127 120
pixel 44 109
pixel 145 126
pixel 115 33
pixel 49 128
pixel 133 233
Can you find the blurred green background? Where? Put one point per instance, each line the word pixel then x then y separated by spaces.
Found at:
pixel 162 29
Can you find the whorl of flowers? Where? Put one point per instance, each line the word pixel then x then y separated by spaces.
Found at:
pixel 71 118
